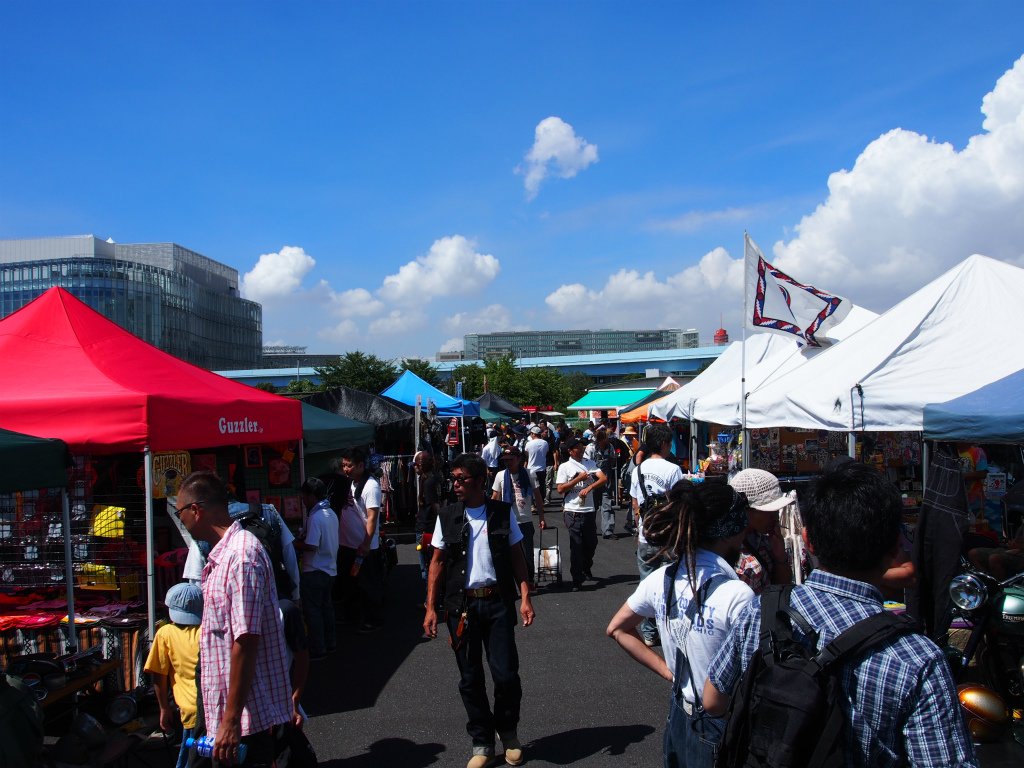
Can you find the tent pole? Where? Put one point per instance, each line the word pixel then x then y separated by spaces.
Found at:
pixel 851 445
pixel 416 437
pixel 302 461
pixel 925 458
pixel 462 426
pixel 743 362
pixel 69 573
pixel 150 565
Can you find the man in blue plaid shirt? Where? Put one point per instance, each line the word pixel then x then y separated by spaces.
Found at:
pixel 899 701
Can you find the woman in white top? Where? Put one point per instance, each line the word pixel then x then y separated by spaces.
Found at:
pixel 701 528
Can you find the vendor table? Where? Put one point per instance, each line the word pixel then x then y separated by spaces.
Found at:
pixel 77 684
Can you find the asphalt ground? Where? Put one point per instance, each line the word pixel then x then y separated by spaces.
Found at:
pixel 392 699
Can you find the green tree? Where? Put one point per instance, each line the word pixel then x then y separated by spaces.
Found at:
pixel 423 369
pixel 301 385
pixel 633 377
pixel 358 370
pixel 472 376
pixel 574 386
pixel 266 386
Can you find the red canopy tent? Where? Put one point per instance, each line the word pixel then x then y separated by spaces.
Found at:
pixel 72 374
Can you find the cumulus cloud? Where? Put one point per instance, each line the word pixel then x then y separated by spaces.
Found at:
pixel 398 321
pixel 452 267
pixel 911 208
pixel 345 333
pixel 276 275
pixel 556 151
pixel 453 345
pixel 490 319
pixel 355 302
pixel 633 300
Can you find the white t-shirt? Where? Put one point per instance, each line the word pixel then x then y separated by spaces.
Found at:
pixel 537 454
pixel 322 533
pixel 659 477
pixel 369 499
pixel 710 627
pixel 479 567
pixel 491 452
pixel 520 496
pixel 567 470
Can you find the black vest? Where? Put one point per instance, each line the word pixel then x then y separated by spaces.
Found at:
pixel 499 529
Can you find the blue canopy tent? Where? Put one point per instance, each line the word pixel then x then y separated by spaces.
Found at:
pixel 409 385
pixel 992 414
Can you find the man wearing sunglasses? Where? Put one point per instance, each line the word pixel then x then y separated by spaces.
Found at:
pixel 478 559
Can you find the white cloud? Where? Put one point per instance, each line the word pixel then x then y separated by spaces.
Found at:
pixel 355 302
pixel 453 345
pixel 276 275
pixel 452 267
pixel 490 319
pixel 345 333
pixel 631 300
pixel 556 151
pixel 695 220
pixel 397 321
pixel 275 343
pixel 912 208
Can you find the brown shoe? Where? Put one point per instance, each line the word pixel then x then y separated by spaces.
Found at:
pixel 482 761
pixel 513 751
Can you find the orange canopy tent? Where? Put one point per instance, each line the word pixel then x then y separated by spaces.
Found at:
pixel 638 410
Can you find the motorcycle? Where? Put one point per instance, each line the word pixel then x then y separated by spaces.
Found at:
pixel 994 611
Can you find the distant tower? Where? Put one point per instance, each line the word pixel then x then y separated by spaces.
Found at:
pixel 721 335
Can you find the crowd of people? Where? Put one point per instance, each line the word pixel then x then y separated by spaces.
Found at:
pixel 710 557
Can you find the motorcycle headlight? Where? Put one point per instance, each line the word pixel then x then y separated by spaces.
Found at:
pixel 968 592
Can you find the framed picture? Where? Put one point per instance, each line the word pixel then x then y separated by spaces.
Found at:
pixel 274 501
pixel 253 456
pixel 280 472
pixel 204 462
pixel 252 497
pixel 292 507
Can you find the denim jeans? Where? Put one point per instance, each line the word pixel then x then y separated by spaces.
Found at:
pixel 422 554
pixel 491 626
pixel 691 741
pixel 186 733
pixel 318 610
pixel 644 553
pixel 527 545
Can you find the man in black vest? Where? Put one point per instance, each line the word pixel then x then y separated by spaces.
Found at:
pixel 478 560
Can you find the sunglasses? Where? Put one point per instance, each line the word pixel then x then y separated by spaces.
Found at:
pixel 462 479
pixel 177 512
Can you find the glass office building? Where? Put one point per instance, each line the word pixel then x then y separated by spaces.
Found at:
pixel 481 346
pixel 178 300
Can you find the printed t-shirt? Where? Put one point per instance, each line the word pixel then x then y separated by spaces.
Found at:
pixel 567 470
pixel 175 653
pixel 520 497
pixel 659 476
pixel 711 625
pixel 321 532
pixel 974 460
pixel 479 565
pixel 537 454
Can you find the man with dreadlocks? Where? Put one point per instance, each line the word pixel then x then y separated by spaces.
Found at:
pixel 694 601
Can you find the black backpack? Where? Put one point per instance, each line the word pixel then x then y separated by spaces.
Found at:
pixel 253 522
pixel 651 501
pixel 785 712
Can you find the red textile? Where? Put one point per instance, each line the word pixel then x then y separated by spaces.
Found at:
pixel 86 380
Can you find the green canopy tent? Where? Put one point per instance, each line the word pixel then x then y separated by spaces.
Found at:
pixel 28 463
pixel 324 434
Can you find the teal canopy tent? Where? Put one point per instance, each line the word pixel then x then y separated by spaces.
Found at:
pixel 326 431
pixel 28 463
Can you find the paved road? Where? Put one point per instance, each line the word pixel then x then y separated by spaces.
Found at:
pixel 391 699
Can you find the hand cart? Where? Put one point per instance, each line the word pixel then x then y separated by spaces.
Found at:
pixel 547 561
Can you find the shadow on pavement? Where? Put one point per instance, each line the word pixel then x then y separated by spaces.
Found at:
pixel 572 746
pixel 391 752
pixel 381 653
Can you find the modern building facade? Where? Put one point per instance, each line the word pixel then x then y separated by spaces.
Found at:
pixel 293 357
pixel 520 344
pixel 177 300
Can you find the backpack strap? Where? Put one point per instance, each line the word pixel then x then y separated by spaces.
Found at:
pixel 643 485
pixel 774 599
pixel 879 628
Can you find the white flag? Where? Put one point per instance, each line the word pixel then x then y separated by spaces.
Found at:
pixel 776 302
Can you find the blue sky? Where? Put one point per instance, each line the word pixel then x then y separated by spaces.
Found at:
pixel 357 162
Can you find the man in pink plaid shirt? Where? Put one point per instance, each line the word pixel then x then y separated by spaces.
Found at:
pixel 244 678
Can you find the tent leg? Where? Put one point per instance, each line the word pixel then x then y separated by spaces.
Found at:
pixel 69 573
pixel 150 562
pixel 925 459
pixel 851 445
pixel 302 475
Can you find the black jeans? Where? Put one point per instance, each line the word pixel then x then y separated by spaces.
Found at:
pixel 362 597
pixel 582 528
pixel 527 546
pixel 492 628
pixel 318 610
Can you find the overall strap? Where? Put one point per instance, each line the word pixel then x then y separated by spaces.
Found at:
pixel 706 590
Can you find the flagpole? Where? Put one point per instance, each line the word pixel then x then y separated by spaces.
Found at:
pixel 743 363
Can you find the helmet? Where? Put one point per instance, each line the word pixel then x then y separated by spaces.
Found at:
pixel 984 711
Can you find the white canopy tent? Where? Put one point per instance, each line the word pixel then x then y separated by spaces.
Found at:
pixel 935 345
pixel 722 406
pixel 679 404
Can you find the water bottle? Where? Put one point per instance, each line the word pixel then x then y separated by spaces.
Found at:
pixel 204 747
pixel 356 565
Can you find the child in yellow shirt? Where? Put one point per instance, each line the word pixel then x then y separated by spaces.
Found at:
pixel 173 658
